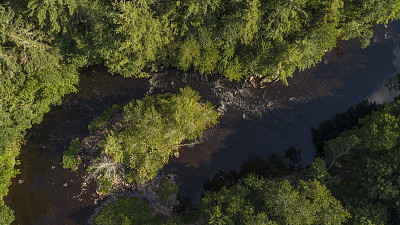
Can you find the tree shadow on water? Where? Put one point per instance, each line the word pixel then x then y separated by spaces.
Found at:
pixel 80 216
pixel 273 167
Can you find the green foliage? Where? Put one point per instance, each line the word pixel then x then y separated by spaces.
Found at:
pixel 102 119
pixel 33 76
pixel 7 172
pixel 6 214
pixel 126 211
pixel 154 128
pixel 367 212
pixel 104 181
pixel 47 15
pixel 70 156
pixel 241 38
pixel 234 38
pixel 259 201
pixel 104 191
pixel 318 170
pixel 339 147
pixel 367 179
pixel 332 127
pixel 124 35
pixel 142 35
pixel 166 189
pixel 44 41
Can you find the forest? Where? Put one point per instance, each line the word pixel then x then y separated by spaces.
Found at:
pixel 46 42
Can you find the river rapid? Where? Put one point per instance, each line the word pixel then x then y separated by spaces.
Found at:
pixel 256 120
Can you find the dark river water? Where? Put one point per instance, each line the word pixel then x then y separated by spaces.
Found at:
pixel 255 122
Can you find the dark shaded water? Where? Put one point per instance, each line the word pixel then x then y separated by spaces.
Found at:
pixel 255 122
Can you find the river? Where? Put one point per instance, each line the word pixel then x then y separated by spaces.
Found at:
pixel 255 122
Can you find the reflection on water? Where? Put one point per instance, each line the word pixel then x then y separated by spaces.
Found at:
pixel 206 149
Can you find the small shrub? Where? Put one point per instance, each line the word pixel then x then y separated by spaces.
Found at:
pixel 70 157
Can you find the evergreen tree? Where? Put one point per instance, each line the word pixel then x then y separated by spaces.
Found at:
pixel 363 166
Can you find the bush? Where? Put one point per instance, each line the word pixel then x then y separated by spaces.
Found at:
pixel 70 157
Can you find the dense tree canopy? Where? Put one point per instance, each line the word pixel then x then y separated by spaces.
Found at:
pixel 43 42
pixel 363 166
pixel 33 77
pixel 259 201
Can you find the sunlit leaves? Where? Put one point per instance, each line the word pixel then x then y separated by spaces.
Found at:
pixel 154 128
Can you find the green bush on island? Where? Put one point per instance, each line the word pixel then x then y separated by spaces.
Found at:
pixel 70 157
pixel 154 129
pixel 6 214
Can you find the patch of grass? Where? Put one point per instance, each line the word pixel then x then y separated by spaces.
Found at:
pixel 70 156
pixel 166 189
